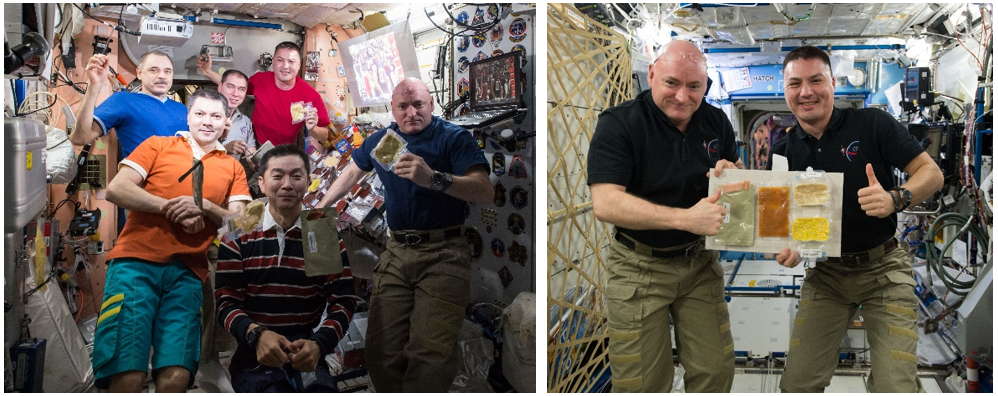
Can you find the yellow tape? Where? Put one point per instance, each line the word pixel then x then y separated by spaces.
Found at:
pixel 108 314
pixel 795 342
pixel 622 359
pixel 624 335
pixel 729 349
pixel 904 356
pixel 805 302
pixel 897 309
pixel 626 383
pixel 799 322
pixel 897 330
pixel 724 327
pixel 115 298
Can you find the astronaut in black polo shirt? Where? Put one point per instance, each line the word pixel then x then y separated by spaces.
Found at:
pixel 648 165
pixel 872 272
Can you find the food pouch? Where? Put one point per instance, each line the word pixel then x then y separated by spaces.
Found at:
pixel 812 188
pixel 774 211
pixel 738 227
pixel 389 149
pixel 321 242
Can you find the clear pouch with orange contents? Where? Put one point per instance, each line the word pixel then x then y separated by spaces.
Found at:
pixel 774 210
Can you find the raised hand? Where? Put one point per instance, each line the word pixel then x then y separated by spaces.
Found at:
pixel 874 200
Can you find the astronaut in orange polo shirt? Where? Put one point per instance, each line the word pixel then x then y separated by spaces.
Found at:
pixel 177 190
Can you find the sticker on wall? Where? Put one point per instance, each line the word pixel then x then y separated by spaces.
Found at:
pixel 520 143
pixel 462 64
pixel 493 12
pixel 479 17
pixel 523 54
pixel 518 167
pixel 518 197
pixel 462 17
pixel 498 248
pixel 341 71
pixel 478 39
pixel 475 242
pixel 500 197
pixel 311 65
pixel 518 253
pixel 495 145
pixel 505 276
pixel 463 42
pixel 496 53
pixel 462 86
pixel 498 164
pixel 490 217
pixel 480 137
pixel 481 55
pixel 517 30
pixel 497 33
pixel 515 223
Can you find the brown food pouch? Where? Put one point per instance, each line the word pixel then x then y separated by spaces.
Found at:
pixel 321 242
pixel 774 211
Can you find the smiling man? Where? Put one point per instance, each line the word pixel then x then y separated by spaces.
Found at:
pixel 265 298
pixel 872 272
pixel 280 97
pixel 423 279
pixel 134 116
pixel 153 293
pixel 648 163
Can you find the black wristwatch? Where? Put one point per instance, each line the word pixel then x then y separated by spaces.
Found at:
pixel 253 337
pixel 903 198
pixel 441 181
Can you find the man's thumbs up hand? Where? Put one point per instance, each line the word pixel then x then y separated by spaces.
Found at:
pixel 874 200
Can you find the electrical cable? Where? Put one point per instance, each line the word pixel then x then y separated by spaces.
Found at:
pixel 935 263
pixel 119 28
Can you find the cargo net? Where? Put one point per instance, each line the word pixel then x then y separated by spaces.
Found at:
pixel 589 70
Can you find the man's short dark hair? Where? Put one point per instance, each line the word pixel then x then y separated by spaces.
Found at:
pixel 233 72
pixel 807 52
pixel 288 45
pixel 154 52
pixel 210 94
pixel 285 150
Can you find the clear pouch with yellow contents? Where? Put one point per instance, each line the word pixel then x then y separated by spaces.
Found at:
pixel 389 149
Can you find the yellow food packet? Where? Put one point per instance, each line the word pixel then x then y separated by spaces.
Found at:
pixel 807 229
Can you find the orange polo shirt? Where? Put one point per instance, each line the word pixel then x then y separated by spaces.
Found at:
pixel 161 161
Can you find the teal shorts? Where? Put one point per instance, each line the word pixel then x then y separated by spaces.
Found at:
pixel 147 304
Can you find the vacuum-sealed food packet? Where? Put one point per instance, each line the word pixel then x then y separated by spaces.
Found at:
pixel 299 110
pixel 810 229
pixel 389 149
pixel 738 227
pixel 774 211
pixel 812 188
pixel 234 226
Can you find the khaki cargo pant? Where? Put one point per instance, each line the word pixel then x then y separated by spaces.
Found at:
pixel 642 293
pixel 417 308
pixel 830 296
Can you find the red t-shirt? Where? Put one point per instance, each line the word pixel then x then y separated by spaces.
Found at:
pixel 272 114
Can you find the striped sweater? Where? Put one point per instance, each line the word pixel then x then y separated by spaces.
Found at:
pixel 256 282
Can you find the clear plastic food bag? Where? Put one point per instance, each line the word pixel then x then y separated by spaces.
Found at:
pixel 774 211
pixel 738 227
pixel 389 149
pixel 812 188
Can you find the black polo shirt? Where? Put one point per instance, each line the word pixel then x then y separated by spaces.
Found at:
pixel 853 138
pixel 635 146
